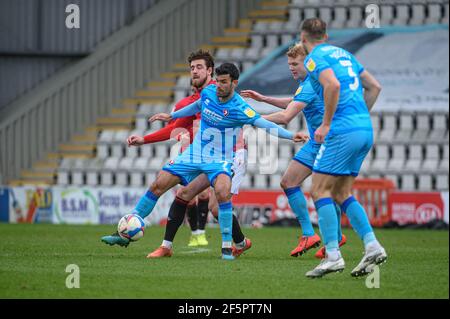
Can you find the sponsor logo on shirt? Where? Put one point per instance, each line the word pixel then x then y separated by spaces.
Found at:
pixel 226 112
pixel 299 90
pixel 311 65
pixel 249 112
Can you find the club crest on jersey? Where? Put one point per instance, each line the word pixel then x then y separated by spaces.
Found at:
pixel 225 112
pixel 249 112
pixel 299 90
pixel 311 65
pixel 171 162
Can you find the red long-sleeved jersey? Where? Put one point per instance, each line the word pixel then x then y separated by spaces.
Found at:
pixel 183 124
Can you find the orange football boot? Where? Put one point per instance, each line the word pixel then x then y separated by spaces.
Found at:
pixel 237 252
pixel 305 244
pixel 161 252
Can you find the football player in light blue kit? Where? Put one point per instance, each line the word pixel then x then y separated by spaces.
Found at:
pixel 223 114
pixel 346 135
pixel 301 166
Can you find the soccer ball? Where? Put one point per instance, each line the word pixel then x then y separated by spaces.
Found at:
pixel 131 227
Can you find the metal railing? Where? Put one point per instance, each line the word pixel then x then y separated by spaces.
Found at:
pixel 74 99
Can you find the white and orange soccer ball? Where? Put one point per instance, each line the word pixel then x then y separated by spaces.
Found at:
pixel 131 227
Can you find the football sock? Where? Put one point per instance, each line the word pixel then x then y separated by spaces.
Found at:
pixel 358 219
pixel 328 223
pixel 238 236
pixel 146 204
pixel 175 219
pixel 202 213
pixel 226 223
pixel 192 214
pixel 167 244
pixel 339 215
pixel 299 206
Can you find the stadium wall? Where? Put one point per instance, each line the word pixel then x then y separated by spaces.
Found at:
pixel 102 205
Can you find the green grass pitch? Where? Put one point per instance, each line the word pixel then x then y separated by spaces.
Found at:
pixel 33 260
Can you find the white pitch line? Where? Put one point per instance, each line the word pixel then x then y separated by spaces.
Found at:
pixel 196 251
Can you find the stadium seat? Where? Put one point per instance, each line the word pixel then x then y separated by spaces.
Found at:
pixel 406 128
pixel 402 16
pixel 161 150
pixel 340 18
pixel 434 13
pixel 442 182
pixel 107 173
pixel 394 178
pixel 237 54
pixel 356 17
pixel 415 158
pixel 183 82
pixel 440 127
pixel 375 125
pixel 62 177
pixel 309 13
pixel 431 158
pixel 287 39
pixel 381 158
pixel 387 14
pixel 252 53
pixel 397 161
pixel 444 163
pixel 425 182
pixel 275 180
pixel 124 168
pixel 104 143
pixel 408 182
pixel 326 14
pixel 418 14
pixel 283 163
pixel 420 134
pixel 156 164
pixel 260 181
pixel 446 13
pixel 246 182
pixel 272 41
pixel 389 128
pixel 119 143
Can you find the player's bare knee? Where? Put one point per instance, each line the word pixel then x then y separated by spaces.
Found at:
pixel 222 194
pixel 156 188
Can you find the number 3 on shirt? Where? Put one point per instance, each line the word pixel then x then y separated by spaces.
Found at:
pixel 351 73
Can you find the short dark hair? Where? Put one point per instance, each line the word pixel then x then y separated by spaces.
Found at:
pixel 315 28
pixel 202 55
pixel 230 69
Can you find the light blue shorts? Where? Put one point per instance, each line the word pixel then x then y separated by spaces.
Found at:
pixel 307 154
pixel 187 172
pixel 343 154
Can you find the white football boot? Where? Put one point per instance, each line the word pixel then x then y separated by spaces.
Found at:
pixel 372 257
pixel 327 266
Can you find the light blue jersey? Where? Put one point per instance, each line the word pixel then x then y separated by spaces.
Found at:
pixel 220 127
pixel 314 105
pixel 314 116
pixel 212 151
pixel 351 113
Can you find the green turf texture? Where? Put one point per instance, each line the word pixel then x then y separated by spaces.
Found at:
pixel 33 260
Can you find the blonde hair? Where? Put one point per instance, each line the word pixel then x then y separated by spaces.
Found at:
pixel 296 50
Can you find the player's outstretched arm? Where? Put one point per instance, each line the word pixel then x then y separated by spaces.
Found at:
pixel 331 90
pixel 277 130
pixel 372 89
pixel 287 115
pixel 278 102
pixel 189 110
